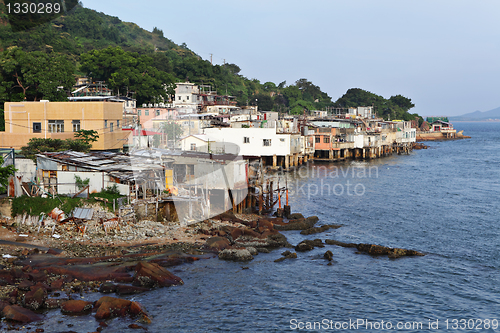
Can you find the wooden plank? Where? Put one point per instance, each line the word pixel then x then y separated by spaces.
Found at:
pixel 83 189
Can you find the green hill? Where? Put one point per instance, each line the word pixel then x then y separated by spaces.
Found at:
pixel 83 42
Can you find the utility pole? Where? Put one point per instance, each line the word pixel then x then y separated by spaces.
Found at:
pixel 211 59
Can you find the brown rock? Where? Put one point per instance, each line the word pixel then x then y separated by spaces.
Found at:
pixel 109 307
pixel 152 275
pixel 35 299
pixel 76 307
pixel 57 284
pixel 307 245
pixel 20 314
pixel 334 242
pixel 236 233
pixel 25 285
pixel 217 243
pixel 316 230
pixel 328 255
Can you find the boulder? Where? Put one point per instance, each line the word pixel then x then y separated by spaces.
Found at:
pixel 217 243
pixel 76 307
pixel 151 275
pixel 328 255
pixel 308 245
pixel 298 224
pixel 287 255
pixel 107 288
pixel 25 285
pixel 20 314
pixel 34 299
pixel 316 230
pixel 295 216
pixel 110 307
pixel 334 242
pixel 235 255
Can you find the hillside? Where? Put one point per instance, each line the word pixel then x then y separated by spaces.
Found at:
pixel 81 43
pixel 478 115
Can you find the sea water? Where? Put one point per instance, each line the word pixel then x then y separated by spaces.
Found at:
pixel 442 201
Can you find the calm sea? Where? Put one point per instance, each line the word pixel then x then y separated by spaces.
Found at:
pixel 443 201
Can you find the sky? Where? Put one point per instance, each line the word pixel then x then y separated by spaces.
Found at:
pixel 442 54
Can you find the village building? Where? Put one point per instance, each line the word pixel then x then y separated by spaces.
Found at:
pixel 60 120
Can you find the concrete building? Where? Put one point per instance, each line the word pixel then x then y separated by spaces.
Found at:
pixel 275 149
pixel 59 120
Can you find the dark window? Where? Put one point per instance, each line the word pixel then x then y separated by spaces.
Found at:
pixel 37 127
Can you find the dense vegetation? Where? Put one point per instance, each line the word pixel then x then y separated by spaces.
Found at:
pixel 396 107
pixel 142 64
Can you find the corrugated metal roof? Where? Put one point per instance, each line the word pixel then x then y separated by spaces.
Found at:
pixel 83 213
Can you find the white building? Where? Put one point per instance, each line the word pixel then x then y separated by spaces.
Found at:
pixel 275 148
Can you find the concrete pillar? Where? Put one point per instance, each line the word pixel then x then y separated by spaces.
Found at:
pixel 330 154
pixel 296 159
pixel 287 162
pixel 275 160
pixel 305 158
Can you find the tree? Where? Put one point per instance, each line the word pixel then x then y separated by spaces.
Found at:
pixel 264 101
pixel 34 76
pixel 87 136
pixel 172 129
pixel 5 173
pixel 40 145
pixel 402 102
pixel 128 71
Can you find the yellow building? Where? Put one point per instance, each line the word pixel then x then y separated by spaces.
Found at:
pixel 59 120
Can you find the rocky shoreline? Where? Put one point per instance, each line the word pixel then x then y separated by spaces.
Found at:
pixel 46 272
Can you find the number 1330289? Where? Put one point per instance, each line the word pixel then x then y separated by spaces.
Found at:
pixel 33 8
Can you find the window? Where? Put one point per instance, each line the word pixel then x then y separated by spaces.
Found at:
pixel 266 142
pixel 282 140
pixel 326 140
pixel 146 113
pixel 56 126
pixel 318 139
pixel 246 139
pixel 157 112
pixel 179 98
pixel 111 127
pixel 37 127
pixel 76 125
pixel 139 113
pixel 193 146
pixel 118 124
pixel 105 124
pixel 187 97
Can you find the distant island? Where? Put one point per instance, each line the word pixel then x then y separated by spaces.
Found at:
pixel 491 115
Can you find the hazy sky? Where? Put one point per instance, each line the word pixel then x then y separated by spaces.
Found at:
pixel 444 55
